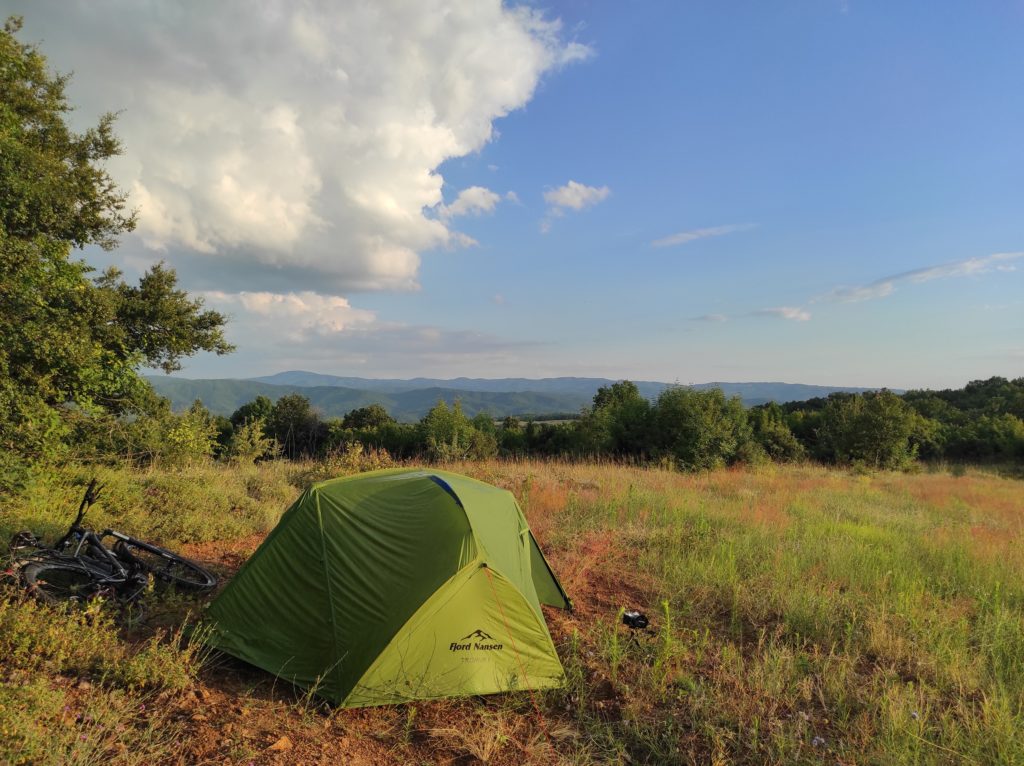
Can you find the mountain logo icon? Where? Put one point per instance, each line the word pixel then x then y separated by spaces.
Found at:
pixel 478 634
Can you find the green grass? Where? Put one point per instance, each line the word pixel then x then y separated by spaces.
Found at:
pixel 816 617
pixel 799 615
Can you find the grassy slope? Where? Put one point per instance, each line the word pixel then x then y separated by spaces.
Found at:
pixel 800 615
pixel 223 397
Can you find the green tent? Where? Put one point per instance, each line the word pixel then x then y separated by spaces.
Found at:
pixel 396 585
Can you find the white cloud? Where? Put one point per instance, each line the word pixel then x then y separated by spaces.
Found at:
pixel 863 293
pixel 299 137
pixel 574 196
pixel 304 330
pixel 694 234
pixel 475 200
pixel 786 312
pixel 292 316
pixel 887 285
pixel 711 318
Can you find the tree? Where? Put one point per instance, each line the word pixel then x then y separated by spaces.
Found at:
pixel 249 443
pixel 874 428
pixel 701 430
pixel 69 344
pixel 296 426
pixel 629 418
pixel 372 416
pixel 157 322
pixel 447 434
pixel 51 185
pixel 773 434
pixel 191 436
pixel 512 437
pixel 258 409
pixel 622 392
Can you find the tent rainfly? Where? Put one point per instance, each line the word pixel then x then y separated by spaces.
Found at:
pixel 393 586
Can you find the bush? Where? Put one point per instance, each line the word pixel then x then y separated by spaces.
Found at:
pixel 874 429
pixel 701 430
pixel 248 444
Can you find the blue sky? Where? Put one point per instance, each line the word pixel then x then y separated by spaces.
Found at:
pixel 821 192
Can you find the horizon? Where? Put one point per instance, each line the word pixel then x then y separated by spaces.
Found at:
pixel 813 191
pixel 263 377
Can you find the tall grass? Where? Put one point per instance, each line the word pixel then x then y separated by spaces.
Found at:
pixel 814 615
pixel 799 615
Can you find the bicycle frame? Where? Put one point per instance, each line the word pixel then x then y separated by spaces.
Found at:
pixel 91 551
pixel 92 492
pixel 85 548
pixel 124 569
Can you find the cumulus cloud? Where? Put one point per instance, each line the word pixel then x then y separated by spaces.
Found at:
pixel 299 137
pixel 292 316
pixel 574 196
pixel 880 288
pixel 785 312
pixel 475 200
pixel 694 234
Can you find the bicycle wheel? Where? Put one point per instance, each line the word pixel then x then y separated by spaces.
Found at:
pixel 166 566
pixel 56 582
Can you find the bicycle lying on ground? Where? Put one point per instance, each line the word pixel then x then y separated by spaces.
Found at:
pixel 79 567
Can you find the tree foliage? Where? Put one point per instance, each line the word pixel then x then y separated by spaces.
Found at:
pixel 873 429
pixel 773 434
pixel 447 434
pixel 249 443
pixel 258 409
pixel 70 344
pixel 52 183
pixel 373 416
pixel 619 422
pixel 702 429
pixel 296 426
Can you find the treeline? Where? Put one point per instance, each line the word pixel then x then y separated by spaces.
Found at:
pixel 686 428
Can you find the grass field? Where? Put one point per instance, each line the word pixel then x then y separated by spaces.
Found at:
pixel 799 615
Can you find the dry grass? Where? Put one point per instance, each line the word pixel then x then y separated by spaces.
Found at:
pixel 800 615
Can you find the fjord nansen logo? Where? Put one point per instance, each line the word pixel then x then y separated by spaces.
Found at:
pixel 478 640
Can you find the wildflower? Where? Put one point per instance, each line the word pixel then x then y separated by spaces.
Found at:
pixel 818 742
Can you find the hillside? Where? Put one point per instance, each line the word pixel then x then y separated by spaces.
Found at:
pixel 799 615
pixel 410 399
pixel 223 397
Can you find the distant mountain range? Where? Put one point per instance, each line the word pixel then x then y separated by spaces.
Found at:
pixel 409 400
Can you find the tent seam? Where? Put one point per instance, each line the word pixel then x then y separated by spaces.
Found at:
pixel 450 490
pixel 330 595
